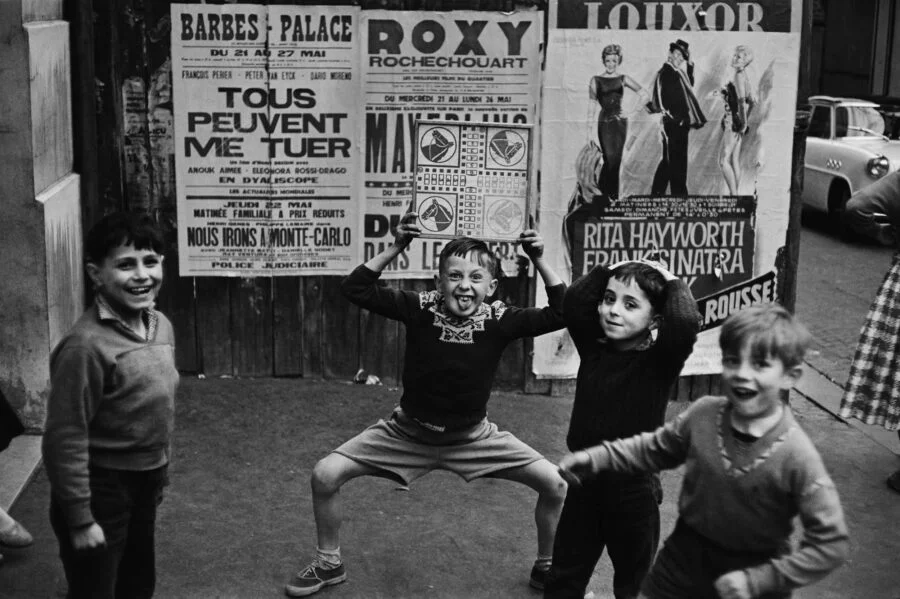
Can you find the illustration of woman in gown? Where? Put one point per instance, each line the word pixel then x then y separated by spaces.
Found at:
pixel 739 99
pixel 605 108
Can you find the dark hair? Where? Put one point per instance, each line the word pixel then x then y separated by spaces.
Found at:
pixel 768 330
pixel 122 228
pixel 462 246
pixel 611 50
pixel 650 281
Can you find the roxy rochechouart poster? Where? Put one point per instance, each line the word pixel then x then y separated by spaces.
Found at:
pixel 666 133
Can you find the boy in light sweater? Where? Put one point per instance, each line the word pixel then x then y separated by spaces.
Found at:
pixel 110 416
pixel 749 470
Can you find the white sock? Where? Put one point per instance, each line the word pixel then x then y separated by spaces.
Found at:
pixel 331 558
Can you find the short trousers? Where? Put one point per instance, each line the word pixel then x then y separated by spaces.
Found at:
pixel 688 565
pixel 407 451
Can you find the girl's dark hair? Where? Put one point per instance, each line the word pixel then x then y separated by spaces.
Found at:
pixel 462 246
pixel 769 330
pixel 650 281
pixel 122 228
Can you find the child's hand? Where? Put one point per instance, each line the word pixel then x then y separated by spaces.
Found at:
pixel 532 244
pixel 88 537
pixel 575 467
pixel 668 276
pixel 733 585
pixel 407 230
pixel 886 234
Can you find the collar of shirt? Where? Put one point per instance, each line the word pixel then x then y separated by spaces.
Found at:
pixel 105 312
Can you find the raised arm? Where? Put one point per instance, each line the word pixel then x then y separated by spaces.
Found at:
pixel 680 321
pixel 580 306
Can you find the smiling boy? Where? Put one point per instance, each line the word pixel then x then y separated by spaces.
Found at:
pixel 634 325
pixel 110 416
pixel 749 470
pixel 454 340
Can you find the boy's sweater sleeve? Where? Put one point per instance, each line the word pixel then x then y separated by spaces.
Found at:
pixel 580 306
pixel 882 197
pixel 823 547
pixel 662 449
pixel 76 388
pixel 361 288
pixel 680 323
pixel 531 322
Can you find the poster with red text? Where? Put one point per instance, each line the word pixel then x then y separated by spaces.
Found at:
pixel 667 131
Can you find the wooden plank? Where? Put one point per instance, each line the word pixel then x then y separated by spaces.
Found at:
pixel 251 326
pixel 312 309
pixel 214 326
pixel 379 344
pixel 340 348
pixel 287 326
pixel 176 301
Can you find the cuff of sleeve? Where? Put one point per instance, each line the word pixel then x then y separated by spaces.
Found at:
pixel 763 579
pixel 599 456
pixel 79 514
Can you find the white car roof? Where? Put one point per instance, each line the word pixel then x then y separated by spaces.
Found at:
pixel 841 101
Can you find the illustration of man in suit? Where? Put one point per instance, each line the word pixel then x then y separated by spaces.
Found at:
pixel 673 96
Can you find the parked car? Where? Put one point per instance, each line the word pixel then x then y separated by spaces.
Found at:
pixel 846 149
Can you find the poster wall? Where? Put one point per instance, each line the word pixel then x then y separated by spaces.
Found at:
pixel 464 66
pixel 667 131
pixel 266 139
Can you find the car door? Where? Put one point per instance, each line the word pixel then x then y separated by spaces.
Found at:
pixel 821 161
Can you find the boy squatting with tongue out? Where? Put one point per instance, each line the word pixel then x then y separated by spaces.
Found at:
pixel 454 340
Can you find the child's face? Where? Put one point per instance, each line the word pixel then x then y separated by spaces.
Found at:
pixel 626 314
pixel 753 385
pixel 464 284
pixel 129 279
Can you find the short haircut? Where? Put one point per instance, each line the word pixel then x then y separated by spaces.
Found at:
pixel 462 246
pixel 612 50
pixel 648 279
pixel 746 51
pixel 122 228
pixel 769 330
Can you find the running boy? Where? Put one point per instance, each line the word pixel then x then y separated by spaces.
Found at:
pixel 454 342
pixel 624 383
pixel 749 470
pixel 110 416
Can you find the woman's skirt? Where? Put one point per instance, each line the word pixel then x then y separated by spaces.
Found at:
pixel 872 393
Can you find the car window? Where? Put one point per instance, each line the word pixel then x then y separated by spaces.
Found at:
pixel 858 121
pixel 820 122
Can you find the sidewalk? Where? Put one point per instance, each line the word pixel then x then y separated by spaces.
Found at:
pixel 237 520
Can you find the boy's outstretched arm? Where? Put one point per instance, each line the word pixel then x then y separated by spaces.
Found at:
pixel 406 231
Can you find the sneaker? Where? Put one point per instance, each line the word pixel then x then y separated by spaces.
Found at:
pixel 538 577
pixel 313 578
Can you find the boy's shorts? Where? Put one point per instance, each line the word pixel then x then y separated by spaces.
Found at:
pixel 688 565
pixel 407 450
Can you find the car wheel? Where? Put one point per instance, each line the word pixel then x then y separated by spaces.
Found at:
pixel 837 203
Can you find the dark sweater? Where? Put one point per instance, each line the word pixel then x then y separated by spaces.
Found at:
pixel 622 393
pixel 112 404
pixel 450 362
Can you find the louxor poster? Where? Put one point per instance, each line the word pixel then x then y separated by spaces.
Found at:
pixel 666 132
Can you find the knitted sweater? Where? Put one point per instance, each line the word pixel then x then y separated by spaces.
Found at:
pixel 743 496
pixel 622 393
pixel 112 404
pixel 450 362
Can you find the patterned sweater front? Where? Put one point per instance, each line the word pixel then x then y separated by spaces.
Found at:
pixel 450 362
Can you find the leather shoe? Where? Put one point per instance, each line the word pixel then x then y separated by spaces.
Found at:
pixel 15 537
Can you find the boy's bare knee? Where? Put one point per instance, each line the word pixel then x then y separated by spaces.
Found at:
pixel 327 475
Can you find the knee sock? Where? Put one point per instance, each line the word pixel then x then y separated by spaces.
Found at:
pixel 543 562
pixel 330 558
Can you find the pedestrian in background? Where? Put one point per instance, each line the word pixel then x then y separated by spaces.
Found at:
pixel 12 534
pixel 634 324
pixel 750 470
pixel 110 416
pixel 872 392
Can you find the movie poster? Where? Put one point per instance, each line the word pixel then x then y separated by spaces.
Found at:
pixel 667 130
pixel 463 66
pixel 266 139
